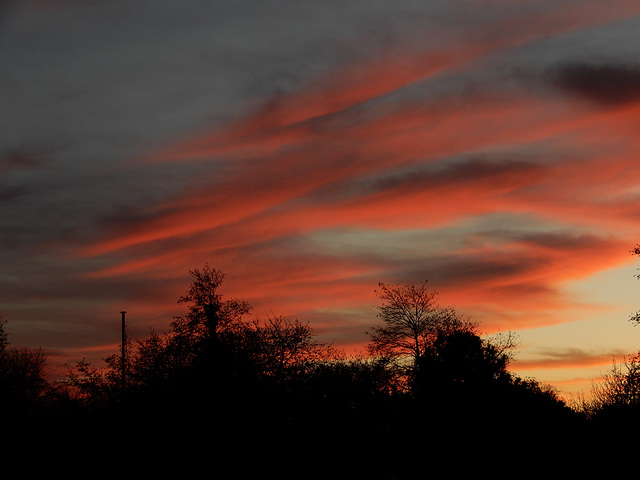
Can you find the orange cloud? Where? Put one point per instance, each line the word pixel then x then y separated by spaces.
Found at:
pixel 395 170
pixel 318 191
pixel 287 180
pixel 571 359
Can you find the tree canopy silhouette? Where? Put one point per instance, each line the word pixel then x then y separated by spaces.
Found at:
pixel 412 321
pixel 219 372
pixel 224 373
pixel 23 382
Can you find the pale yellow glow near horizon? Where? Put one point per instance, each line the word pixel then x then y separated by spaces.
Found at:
pixel 604 330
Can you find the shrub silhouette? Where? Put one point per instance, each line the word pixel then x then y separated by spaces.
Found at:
pixel 216 385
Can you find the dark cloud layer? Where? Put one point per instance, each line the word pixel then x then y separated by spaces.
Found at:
pixel 606 84
pixel 499 173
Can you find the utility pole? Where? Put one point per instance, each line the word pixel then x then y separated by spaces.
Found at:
pixel 124 360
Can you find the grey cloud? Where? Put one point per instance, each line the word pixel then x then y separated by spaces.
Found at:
pixel 436 174
pixel 20 158
pixel 469 269
pixel 12 192
pixel 474 169
pixel 563 241
pixel 162 66
pixel 482 258
pixel 105 81
pixel 605 84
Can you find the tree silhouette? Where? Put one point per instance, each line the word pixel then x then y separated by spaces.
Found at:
pixel 412 322
pixel 4 337
pixel 208 312
pixel 427 386
pixel 25 392
pixel 617 392
pixel 614 399
pixel 90 386
pixel 462 357
pixel 22 374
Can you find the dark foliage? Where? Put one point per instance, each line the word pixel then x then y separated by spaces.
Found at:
pixel 263 397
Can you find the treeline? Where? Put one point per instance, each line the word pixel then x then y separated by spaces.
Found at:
pixel 217 387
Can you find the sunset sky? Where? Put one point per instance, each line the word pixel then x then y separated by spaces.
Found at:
pixel 312 149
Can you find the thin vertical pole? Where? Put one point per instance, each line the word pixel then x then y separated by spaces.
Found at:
pixel 124 343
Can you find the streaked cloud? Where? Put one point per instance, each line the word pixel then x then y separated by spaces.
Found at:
pixel 608 84
pixel 311 150
pixel 576 358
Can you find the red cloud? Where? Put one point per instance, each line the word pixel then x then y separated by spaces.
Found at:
pixel 355 152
